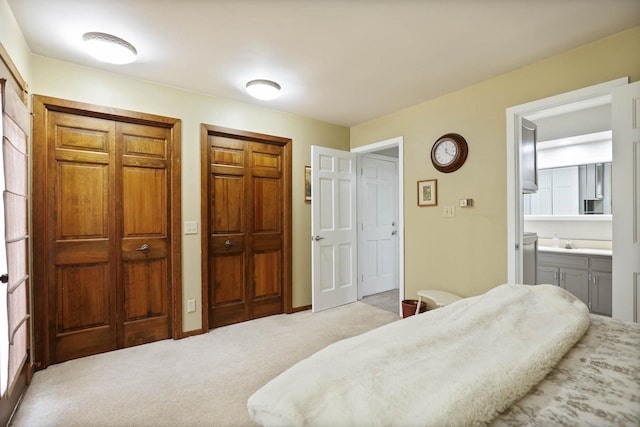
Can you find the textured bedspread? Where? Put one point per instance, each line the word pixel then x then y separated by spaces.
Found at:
pixel 457 365
pixel 596 384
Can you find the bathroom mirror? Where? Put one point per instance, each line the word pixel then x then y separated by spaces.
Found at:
pixel 571 190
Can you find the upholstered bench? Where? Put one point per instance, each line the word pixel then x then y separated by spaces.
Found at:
pixel 436 298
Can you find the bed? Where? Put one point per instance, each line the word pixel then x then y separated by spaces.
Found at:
pixel 517 355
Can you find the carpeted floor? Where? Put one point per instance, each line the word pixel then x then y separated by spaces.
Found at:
pixel 197 381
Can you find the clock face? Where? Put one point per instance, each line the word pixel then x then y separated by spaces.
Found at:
pixel 449 152
pixel 445 152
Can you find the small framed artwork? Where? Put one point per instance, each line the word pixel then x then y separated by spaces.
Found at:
pixel 307 183
pixel 428 192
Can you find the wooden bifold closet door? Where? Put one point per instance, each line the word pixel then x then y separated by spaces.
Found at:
pixel 246 204
pixel 108 263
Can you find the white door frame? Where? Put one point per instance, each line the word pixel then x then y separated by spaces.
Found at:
pixel 551 105
pixel 375 147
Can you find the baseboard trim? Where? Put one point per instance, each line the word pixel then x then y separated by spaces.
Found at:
pixel 191 333
pixel 299 309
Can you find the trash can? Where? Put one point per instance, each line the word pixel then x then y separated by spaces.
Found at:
pixel 409 307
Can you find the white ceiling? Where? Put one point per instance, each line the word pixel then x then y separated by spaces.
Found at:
pixel 343 62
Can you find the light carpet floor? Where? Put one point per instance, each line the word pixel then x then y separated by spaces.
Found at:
pixel 203 380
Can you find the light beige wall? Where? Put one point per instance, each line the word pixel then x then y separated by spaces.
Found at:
pixel 467 254
pixel 64 80
pixel 13 41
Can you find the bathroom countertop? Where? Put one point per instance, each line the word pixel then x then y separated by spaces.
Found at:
pixel 576 251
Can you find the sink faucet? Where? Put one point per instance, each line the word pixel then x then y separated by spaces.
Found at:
pixel 567 245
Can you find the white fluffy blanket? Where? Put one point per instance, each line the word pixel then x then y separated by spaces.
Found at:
pixel 458 365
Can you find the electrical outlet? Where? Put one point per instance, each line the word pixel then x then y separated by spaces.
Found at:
pixel 449 211
pixel 191 227
pixel 191 306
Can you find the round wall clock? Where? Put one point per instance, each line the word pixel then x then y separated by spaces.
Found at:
pixel 449 152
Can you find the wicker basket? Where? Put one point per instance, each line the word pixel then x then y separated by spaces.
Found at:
pixel 409 307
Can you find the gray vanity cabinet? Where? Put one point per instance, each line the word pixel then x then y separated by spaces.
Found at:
pixel 600 285
pixel 585 276
pixel 548 274
pixel 576 282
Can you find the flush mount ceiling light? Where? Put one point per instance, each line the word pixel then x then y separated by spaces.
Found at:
pixel 263 89
pixel 107 48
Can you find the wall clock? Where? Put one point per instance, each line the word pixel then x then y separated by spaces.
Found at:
pixel 449 152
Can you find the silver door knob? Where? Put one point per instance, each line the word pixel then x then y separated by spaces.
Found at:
pixel 318 238
pixel 228 244
pixel 144 248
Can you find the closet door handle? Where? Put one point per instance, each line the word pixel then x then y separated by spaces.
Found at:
pixel 144 248
pixel 228 244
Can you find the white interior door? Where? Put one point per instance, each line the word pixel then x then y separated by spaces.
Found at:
pixel 378 219
pixel 333 228
pixel 625 110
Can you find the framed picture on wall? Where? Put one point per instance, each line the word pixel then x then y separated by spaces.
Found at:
pixel 307 183
pixel 428 192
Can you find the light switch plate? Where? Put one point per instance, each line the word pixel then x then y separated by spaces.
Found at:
pixel 191 227
pixel 449 211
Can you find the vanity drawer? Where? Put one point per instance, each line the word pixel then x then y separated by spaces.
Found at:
pixel 561 260
pixel 601 263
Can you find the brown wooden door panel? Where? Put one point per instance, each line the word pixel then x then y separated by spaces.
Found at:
pixel 149 142
pixel 82 251
pixel 84 296
pixel 144 202
pixel 144 233
pixel 86 343
pixel 227 199
pixel 81 133
pixel 267 274
pixel 108 186
pixel 85 319
pixel 226 151
pixel 82 276
pixel 133 248
pixel 246 190
pixel 224 244
pixel 145 331
pixel 267 205
pixel 145 289
pixel 230 275
pixel 82 202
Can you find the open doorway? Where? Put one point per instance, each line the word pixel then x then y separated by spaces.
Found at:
pixel 593 96
pixel 381 222
pixel 621 284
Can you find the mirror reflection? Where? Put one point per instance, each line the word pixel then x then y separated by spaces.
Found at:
pixel 572 190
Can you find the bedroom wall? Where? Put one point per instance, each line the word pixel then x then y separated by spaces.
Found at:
pixel 467 254
pixel 64 80
pixel 13 41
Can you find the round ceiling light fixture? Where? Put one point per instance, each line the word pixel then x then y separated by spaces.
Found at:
pixel 263 89
pixel 108 48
